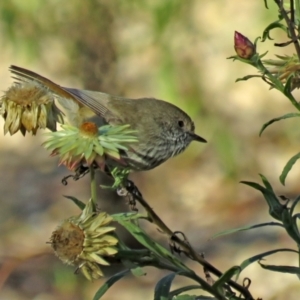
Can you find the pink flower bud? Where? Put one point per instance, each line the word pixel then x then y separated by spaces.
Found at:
pixel 244 48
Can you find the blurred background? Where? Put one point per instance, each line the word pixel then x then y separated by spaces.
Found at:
pixel 172 50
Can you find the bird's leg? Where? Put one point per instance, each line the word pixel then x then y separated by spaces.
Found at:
pixel 130 191
pixel 132 188
pixel 134 193
pixel 208 277
pixel 174 246
pixel 80 172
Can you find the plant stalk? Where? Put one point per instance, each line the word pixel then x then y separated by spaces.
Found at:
pixel 93 185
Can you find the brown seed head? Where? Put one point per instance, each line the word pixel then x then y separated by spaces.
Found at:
pixel 89 129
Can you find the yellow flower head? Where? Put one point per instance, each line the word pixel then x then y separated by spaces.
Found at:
pixel 28 106
pixel 85 241
pixel 89 144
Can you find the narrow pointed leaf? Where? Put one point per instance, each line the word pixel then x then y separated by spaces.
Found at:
pixel 247 77
pixel 128 216
pixel 226 277
pixel 266 182
pixel 162 288
pixel 140 235
pixel 248 227
pixel 103 289
pixel 281 269
pixel 193 297
pixel 286 116
pixel 184 289
pixel 276 24
pixel 258 257
pixel 288 167
pixel 79 203
pixel 190 297
pixel 290 225
pixel 275 207
pixel 288 91
pixel 294 205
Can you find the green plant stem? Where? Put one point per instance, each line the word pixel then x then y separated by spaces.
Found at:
pixel 190 274
pixel 93 185
pixel 187 248
pixel 292 9
pixel 299 257
pixel 291 26
pixel 297 11
pixel 277 83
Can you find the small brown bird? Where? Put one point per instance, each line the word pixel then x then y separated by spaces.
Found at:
pixel 163 129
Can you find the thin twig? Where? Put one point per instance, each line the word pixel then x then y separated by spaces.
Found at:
pixel 183 244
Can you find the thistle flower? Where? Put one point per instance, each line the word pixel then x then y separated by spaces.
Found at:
pixel 89 144
pixel 84 242
pixel 284 67
pixel 28 106
pixel 244 48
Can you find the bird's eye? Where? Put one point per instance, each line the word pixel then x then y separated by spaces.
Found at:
pixel 180 123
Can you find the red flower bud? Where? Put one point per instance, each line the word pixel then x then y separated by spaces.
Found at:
pixel 244 48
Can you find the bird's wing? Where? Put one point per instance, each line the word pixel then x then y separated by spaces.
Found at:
pixel 96 101
pixel 27 75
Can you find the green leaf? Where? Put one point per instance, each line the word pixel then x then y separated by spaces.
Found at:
pixel 290 225
pixel 162 288
pixel 246 61
pixel 142 237
pixel 275 207
pixel 288 167
pixel 103 289
pixel 138 272
pixel 193 297
pixel 281 269
pixel 187 297
pixel 287 116
pixel 79 203
pixel 247 77
pixel 294 205
pixel 248 227
pixel 190 297
pixel 287 87
pixel 219 284
pixel 276 24
pixel 128 216
pixel 183 289
pixel 258 257
pixel 266 182
pixel 288 91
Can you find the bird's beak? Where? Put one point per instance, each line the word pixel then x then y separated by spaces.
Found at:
pixel 197 138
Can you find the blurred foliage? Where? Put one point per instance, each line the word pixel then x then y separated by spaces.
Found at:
pixel 87 32
pixel 171 49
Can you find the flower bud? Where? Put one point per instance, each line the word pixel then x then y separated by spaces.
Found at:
pixel 244 48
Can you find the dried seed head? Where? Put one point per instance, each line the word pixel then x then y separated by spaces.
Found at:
pixel 28 106
pixel 85 241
